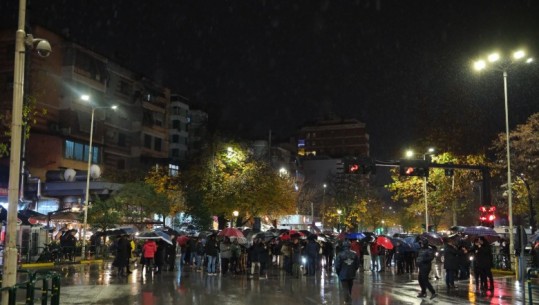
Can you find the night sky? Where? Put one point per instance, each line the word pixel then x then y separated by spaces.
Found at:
pixel 399 66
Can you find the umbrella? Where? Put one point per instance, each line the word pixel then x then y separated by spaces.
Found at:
pixel 155 235
pixel 489 233
pixel 266 236
pixel 229 232
pixel 356 235
pixel 241 240
pixel 434 239
pixel 404 243
pixel 118 231
pixel 182 240
pixel 384 242
pixel 457 229
pixel 169 231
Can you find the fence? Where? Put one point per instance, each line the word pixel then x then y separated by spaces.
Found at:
pixel 533 273
pixel 49 290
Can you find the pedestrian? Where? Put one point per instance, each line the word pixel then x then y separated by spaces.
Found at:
pixel 295 254
pixel 123 252
pixel 160 255
pixel 464 263
pixel 287 257
pixel 200 253
pixel 148 254
pixel 375 257
pixel 211 251
pixel 399 257
pixel 424 259
pixel 225 249
pixel 346 265
pixel 255 255
pixel 235 252
pixel 329 253
pixel 482 265
pixel 171 254
pixel 535 255
pixel 311 251
pixel 451 263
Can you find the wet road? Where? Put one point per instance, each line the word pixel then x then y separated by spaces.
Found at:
pixel 96 284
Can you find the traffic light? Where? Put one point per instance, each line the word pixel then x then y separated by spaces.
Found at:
pixel 487 215
pixel 359 166
pixel 418 168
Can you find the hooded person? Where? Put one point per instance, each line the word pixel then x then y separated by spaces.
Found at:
pixel 346 265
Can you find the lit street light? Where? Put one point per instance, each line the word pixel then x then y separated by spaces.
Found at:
pixel 22 40
pixel 235 213
pixel 496 62
pixel 88 173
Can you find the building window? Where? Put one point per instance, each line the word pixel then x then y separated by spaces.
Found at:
pixel 176 124
pixel 175 153
pixel 121 139
pixel 120 164
pixel 173 169
pixel 79 151
pixel 175 138
pixel 148 141
pixel 157 144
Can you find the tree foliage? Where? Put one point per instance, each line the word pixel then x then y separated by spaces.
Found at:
pixel 524 163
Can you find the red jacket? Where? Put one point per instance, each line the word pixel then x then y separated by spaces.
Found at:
pixel 149 249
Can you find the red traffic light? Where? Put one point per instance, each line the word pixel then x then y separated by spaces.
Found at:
pixel 353 168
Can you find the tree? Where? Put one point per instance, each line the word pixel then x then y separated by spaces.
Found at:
pixel 137 202
pixel 524 162
pixel 103 214
pixel 169 186
pixel 29 113
pixel 451 194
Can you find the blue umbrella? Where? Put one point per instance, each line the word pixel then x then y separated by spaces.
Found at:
pixel 404 244
pixel 355 235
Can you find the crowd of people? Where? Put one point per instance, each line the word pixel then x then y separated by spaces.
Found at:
pixel 307 256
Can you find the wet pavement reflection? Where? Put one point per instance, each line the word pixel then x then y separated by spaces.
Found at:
pixel 98 284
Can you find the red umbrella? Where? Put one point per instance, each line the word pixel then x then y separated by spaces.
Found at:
pixel 384 242
pixel 231 232
pixel 182 240
pixel 290 234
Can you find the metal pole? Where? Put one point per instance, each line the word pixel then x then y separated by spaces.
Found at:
pixel 9 276
pixel 87 193
pixel 509 188
pixel 426 204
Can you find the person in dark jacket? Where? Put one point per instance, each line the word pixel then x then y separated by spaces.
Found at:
pixel 123 253
pixel 311 251
pixel 211 250
pixel 424 259
pixel 451 263
pixel 160 255
pixel 346 265
pixel 482 263
pixel 329 253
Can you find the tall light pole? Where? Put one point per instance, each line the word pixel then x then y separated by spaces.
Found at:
pixel 22 40
pixel 496 62
pixel 87 192
pixel 429 152
pixel 339 226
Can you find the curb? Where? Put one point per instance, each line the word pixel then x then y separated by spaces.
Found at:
pixel 503 272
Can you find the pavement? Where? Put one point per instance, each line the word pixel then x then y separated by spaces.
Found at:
pixel 96 284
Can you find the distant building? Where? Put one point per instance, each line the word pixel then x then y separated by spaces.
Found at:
pixel 178 128
pixel 334 138
pixel 135 136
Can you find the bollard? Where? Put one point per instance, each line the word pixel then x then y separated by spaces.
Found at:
pixel 55 290
pixel 45 291
pixel 30 288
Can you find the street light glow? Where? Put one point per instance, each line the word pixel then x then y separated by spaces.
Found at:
pixel 85 97
pixel 519 54
pixel 480 65
pixel 409 153
pixel 529 60
pixel 493 57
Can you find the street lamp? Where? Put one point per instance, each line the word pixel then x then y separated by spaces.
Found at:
pixel 235 213
pixel 429 152
pixel 87 192
pixel 496 62
pixel 22 40
pixel 339 226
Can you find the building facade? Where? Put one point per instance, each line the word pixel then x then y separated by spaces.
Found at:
pixel 334 138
